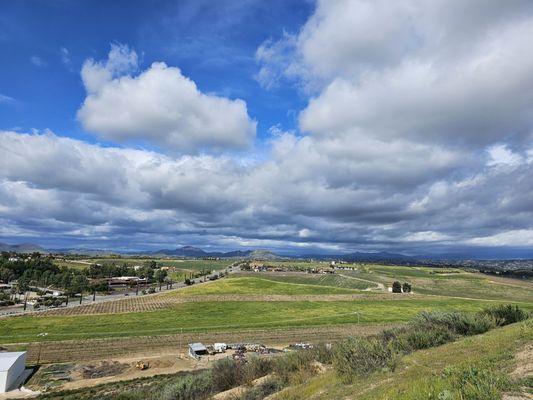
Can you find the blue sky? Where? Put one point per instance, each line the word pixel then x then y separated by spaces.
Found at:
pixel 297 126
pixel 213 43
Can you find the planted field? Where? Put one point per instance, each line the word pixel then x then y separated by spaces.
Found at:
pixel 228 315
pixel 329 280
pixel 257 284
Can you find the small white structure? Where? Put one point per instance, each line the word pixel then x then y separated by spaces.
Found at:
pixel 12 367
pixel 197 349
pixel 220 347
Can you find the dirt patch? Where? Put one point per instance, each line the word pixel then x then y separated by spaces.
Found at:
pixel 102 369
pixel 524 362
pixel 523 369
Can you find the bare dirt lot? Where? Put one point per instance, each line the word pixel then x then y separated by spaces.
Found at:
pixel 77 375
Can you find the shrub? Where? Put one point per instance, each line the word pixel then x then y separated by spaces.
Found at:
pixel 415 337
pixel 259 392
pixel 506 314
pixel 406 287
pixel 190 387
pixel 396 287
pixel 295 366
pixel 323 353
pixel 460 323
pixel 226 374
pixel 362 356
pixel 477 384
pixel 256 367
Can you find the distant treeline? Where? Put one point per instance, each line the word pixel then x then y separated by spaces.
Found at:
pixel 515 273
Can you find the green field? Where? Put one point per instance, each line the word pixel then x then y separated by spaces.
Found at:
pixel 228 315
pixel 461 291
pixel 258 285
pixel 330 280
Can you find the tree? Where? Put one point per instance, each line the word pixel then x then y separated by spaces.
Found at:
pixel 160 275
pixel 146 272
pixel 396 287
pixel 406 287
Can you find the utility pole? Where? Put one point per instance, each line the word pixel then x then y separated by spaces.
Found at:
pixel 358 314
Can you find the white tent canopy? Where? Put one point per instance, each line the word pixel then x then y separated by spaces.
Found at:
pixel 12 366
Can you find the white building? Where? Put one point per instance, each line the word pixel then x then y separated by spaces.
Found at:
pixel 12 366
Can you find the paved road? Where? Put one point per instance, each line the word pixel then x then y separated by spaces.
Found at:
pixel 99 298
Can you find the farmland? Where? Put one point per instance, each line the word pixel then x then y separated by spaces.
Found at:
pixel 228 315
pixel 275 307
pixel 271 300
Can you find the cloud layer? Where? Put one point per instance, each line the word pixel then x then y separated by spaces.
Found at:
pixel 417 136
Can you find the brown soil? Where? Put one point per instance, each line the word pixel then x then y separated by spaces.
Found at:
pixel 524 362
pixel 102 369
pixel 523 369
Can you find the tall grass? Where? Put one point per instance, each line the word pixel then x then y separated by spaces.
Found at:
pixel 357 356
pixel 505 314
pixel 362 356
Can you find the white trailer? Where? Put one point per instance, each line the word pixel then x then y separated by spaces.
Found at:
pixel 12 367
pixel 220 347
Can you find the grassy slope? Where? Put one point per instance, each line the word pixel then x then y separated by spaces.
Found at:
pixel 460 284
pixel 421 374
pixel 263 286
pixel 208 316
pixel 331 280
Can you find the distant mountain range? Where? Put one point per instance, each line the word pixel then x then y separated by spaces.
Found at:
pixel 196 252
pixel 22 248
pixel 190 251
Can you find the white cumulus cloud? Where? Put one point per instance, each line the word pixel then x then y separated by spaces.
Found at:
pixel 159 106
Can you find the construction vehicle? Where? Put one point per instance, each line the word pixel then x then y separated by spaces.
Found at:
pixel 141 365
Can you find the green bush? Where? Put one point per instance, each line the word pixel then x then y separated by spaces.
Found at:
pixel 295 366
pixel 406 340
pixel 460 323
pixel 256 367
pixel 477 383
pixel 323 353
pixel 357 356
pixel 259 392
pixel 226 374
pixel 506 314
pixel 190 387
